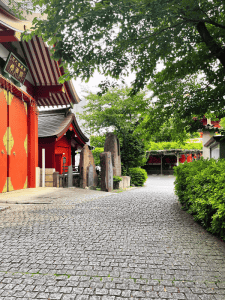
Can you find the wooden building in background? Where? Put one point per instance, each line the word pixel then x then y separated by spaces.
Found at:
pixel 60 135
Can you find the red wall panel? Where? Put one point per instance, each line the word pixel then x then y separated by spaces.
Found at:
pixel 49 145
pixel 17 163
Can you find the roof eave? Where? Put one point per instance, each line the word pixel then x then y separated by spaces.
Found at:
pixel 82 135
pixel 72 92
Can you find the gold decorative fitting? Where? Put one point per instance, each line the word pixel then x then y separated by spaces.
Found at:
pixel 10 186
pixel 10 141
pixel 18 35
pixel 25 144
pixel 3 152
pixel 5 137
pixel 25 184
pixel 25 105
pixel 5 93
pixel 9 98
pixel 14 153
pixel 5 187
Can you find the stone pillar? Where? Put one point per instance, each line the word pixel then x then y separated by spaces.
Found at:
pixel 106 172
pixel 87 159
pixel 112 145
pixel 56 179
pixel 70 176
pixel 90 176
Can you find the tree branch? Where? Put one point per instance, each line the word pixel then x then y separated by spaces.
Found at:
pixel 158 32
pixel 203 21
pixel 215 49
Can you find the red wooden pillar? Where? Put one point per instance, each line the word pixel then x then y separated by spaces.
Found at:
pixel 3 141
pixel 32 123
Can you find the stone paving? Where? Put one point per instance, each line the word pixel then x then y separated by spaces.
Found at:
pixel 90 245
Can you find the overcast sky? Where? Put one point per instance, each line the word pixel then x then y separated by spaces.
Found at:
pixel 93 83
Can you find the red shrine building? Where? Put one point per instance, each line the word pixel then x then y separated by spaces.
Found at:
pixel 60 135
pixel 28 80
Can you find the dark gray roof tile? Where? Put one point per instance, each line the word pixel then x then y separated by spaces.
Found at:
pixel 56 122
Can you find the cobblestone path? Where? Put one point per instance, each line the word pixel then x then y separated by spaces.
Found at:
pixel 132 245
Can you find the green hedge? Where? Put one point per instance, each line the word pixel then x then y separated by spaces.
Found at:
pixel 117 179
pixel 188 145
pixel 200 186
pixel 138 176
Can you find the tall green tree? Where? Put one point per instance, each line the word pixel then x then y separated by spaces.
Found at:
pixel 113 36
pixel 98 141
pixel 115 110
pixel 120 112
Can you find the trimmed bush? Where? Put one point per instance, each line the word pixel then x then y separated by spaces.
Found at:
pixel 200 187
pixel 117 179
pixel 138 176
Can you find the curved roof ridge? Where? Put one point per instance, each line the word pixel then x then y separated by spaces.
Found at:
pixel 54 123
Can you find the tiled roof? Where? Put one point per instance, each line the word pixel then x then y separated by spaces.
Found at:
pixel 56 122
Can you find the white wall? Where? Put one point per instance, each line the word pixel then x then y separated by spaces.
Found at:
pixel 205 137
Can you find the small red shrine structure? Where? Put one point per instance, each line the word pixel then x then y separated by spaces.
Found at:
pixel 163 161
pixel 28 79
pixel 60 135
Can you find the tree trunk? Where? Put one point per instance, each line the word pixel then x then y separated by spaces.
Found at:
pixel 215 49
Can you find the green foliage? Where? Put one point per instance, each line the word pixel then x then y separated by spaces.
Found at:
pixel 120 112
pixel 200 186
pixel 133 150
pixel 96 153
pixel 98 141
pixel 113 36
pixel 115 110
pixel 174 145
pixel 168 133
pixel 138 176
pixel 222 123
pixel 117 179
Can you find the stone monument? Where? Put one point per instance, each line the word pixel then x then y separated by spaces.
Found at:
pixel 90 176
pixel 88 173
pixel 106 172
pixel 70 176
pixel 112 145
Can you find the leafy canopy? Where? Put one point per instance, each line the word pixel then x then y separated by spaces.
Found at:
pixel 115 36
pixel 120 112
pixel 115 110
pixel 168 133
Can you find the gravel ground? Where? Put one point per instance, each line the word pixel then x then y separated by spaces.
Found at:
pixel 90 245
